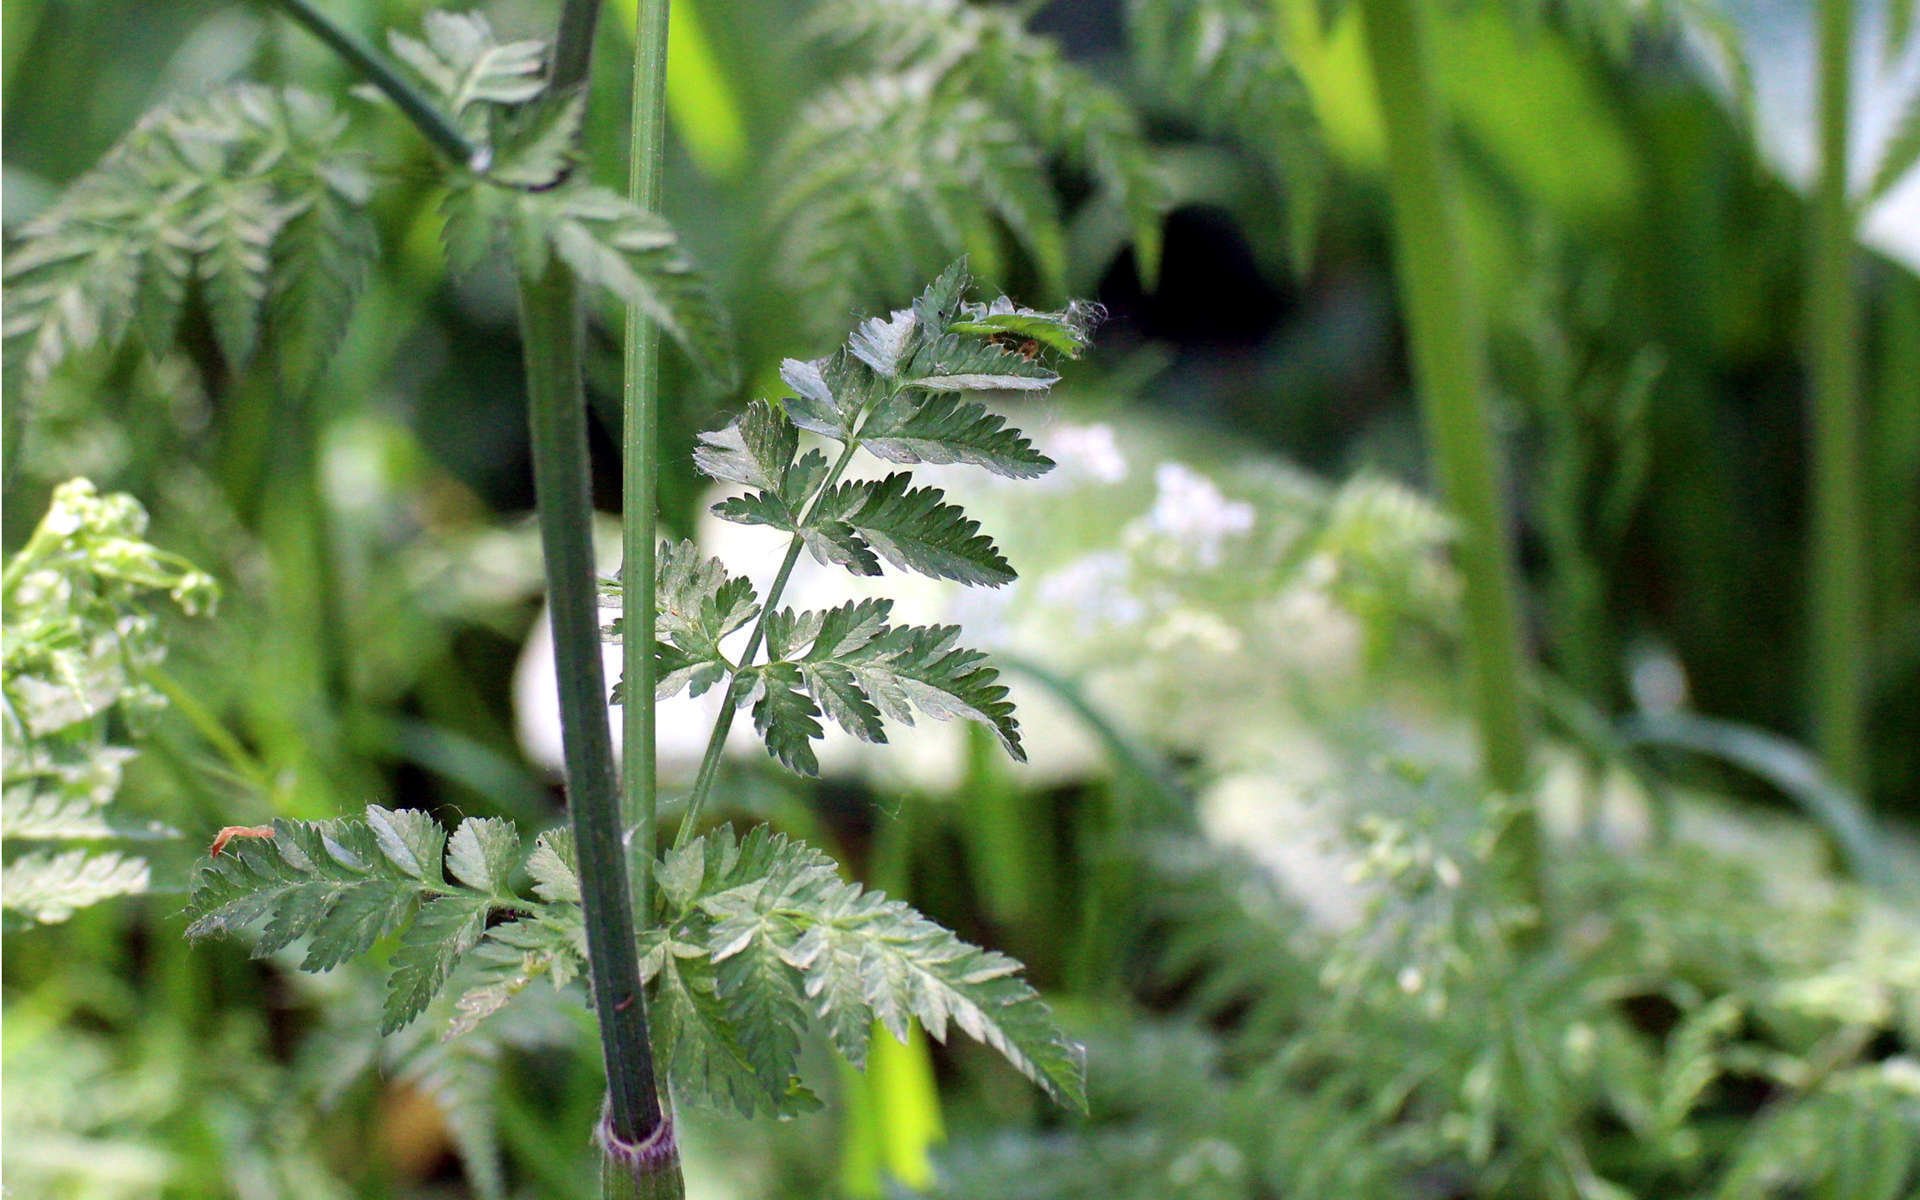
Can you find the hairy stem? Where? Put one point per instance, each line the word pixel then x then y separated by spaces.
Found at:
pixel 573 45
pixel 551 327
pixel 640 465
pixel 438 128
pixel 723 724
pixel 1444 331
pixel 1838 559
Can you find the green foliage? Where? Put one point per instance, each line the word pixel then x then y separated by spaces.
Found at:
pixel 944 143
pixel 1684 1026
pixel 242 196
pixel 526 201
pixel 756 937
pixel 1224 65
pixel 698 604
pixel 896 390
pixel 344 885
pixel 757 934
pixel 245 198
pixel 1900 154
pixel 74 674
pixel 467 69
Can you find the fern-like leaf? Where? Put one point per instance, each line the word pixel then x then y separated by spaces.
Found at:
pixel 320 265
pixel 445 930
pixel 855 956
pixel 244 190
pixel 464 66
pixel 697 603
pixel 635 256
pixel 551 943
pixel 706 1054
pixel 344 885
pixel 46 888
pixel 903 176
pixel 850 665
pixel 948 137
pixel 785 716
pixel 913 529
pixel 1225 64
pixel 947 429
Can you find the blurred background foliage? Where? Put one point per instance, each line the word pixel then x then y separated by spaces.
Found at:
pixel 1246 860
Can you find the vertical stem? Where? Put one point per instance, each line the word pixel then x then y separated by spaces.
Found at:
pixel 639 1156
pixel 573 45
pixel 1839 591
pixel 639 458
pixel 1444 330
pixel 550 324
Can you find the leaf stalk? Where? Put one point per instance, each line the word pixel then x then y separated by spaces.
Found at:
pixel 410 100
pixel 723 723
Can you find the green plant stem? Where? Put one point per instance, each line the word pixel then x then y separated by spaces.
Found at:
pixel 640 466
pixel 1444 331
pixel 573 45
pixel 551 328
pixel 236 756
pixel 644 1170
pixel 723 724
pixel 413 103
pixel 1839 584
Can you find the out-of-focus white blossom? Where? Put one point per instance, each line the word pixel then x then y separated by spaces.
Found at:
pixel 1191 521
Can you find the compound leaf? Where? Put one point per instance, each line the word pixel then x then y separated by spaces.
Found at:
pixel 913 529
pixel 346 884
pixel 48 888
pixel 635 255
pixel 702 1047
pixel 243 190
pixel 946 429
pixel 445 929
pixel 464 65
pixel 779 911
pixel 919 667
pixel 697 603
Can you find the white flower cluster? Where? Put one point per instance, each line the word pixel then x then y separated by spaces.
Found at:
pixel 1191 521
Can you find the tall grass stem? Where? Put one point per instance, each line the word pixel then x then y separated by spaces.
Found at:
pixel 1445 336
pixel 1838 553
